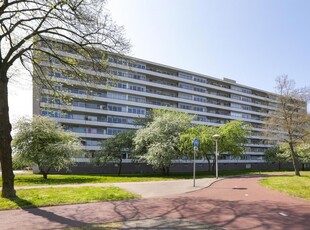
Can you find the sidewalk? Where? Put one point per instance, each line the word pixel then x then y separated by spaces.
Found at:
pixel 232 203
pixel 146 189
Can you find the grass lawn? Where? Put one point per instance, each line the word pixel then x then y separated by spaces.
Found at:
pixel 30 179
pixel 36 179
pixel 27 198
pixel 292 185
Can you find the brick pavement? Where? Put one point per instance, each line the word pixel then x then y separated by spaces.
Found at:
pixel 233 203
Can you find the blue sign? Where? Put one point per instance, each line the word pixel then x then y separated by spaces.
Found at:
pixel 196 142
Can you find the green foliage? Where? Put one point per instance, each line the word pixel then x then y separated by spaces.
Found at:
pixel 233 136
pixel 43 142
pixel 157 143
pixel 282 153
pixel 20 164
pixel 277 154
pixel 292 185
pixel 28 198
pixel 290 122
pixel 113 148
pixel 144 121
pixel 204 135
pixel 303 152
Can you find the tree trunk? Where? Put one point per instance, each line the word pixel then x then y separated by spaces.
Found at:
pixel 119 167
pixel 209 163
pixel 294 159
pixel 5 139
pixel 44 175
pixel 168 170
pixel 279 165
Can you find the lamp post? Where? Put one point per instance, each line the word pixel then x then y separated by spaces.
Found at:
pixel 216 137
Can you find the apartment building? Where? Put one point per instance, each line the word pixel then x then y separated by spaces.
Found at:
pixel 141 85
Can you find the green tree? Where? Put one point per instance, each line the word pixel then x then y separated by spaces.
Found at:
pixel 290 123
pixel 157 143
pixel 84 25
pixel 43 142
pixel 113 148
pixel 233 136
pixel 303 151
pixel 277 154
pixel 206 142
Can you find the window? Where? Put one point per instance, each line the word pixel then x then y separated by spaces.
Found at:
pixel 91 105
pixel 199 89
pixel 114 131
pixel 198 108
pixel 126 63
pixel 200 99
pixel 185 76
pixel 119 96
pixel 185 86
pixel 234 114
pixel 136 99
pixel 118 108
pixel 199 79
pixel 241 98
pixel 136 110
pixel 185 106
pixel 239 89
pixel 117 120
pixel 185 96
pixel 201 118
pixel 136 87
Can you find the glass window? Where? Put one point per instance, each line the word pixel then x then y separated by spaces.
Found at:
pixel 185 96
pixel 185 106
pixel 185 76
pixel 185 86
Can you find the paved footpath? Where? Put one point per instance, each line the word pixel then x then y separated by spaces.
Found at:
pixel 232 203
pixel 147 189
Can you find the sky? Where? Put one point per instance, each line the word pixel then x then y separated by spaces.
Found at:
pixel 250 41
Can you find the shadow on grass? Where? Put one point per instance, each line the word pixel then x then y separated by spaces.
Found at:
pixel 56 181
pixel 22 203
pixel 50 216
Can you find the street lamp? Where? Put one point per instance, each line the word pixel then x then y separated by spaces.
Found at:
pixel 216 137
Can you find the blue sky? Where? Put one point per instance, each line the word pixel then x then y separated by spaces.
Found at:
pixel 250 41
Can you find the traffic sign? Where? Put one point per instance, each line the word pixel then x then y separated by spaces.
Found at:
pixel 196 142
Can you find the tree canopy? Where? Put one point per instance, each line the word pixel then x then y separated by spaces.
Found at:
pixel 157 143
pixel 113 148
pixel 43 142
pixel 277 154
pixel 233 136
pixel 26 25
pixel 290 122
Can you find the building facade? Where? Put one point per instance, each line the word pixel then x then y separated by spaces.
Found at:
pixel 141 85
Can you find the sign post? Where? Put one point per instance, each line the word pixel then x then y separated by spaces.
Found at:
pixel 216 137
pixel 196 143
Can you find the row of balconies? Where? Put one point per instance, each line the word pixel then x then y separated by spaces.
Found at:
pixel 149 106
pixel 179 99
pixel 103 111
pixel 158 74
pixel 166 94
